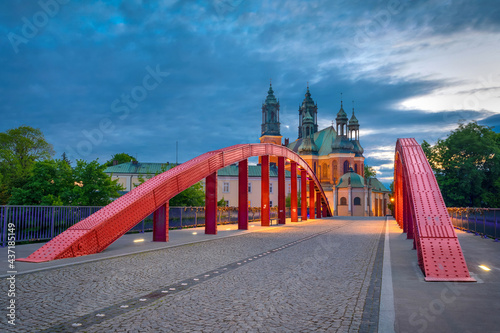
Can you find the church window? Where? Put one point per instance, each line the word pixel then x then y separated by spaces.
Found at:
pixel 314 167
pixel 357 201
pixel 356 168
pixel 226 188
pixel 346 166
pixel 307 132
pixel 343 201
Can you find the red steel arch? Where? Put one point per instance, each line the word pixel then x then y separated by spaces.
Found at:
pixel 98 231
pixel 421 213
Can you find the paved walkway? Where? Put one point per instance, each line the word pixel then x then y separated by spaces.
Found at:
pixel 321 275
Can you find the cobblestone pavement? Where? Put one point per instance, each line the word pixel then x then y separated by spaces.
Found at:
pixel 311 276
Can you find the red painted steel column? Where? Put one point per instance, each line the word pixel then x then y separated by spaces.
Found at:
pixel 160 223
pixel 264 201
pixel 243 195
pixel 311 200
pixel 211 204
pixel 325 210
pixel 318 206
pixel 303 197
pixel 281 191
pixel 293 195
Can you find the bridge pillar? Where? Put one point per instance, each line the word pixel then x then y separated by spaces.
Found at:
pixel 325 210
pixel 318 205
pixel 311 200
pixel 293 195
pixel 211 204
pixel 264 201
pixel 281 191
pixel 243 195
pixel 160 223
pixel 303 190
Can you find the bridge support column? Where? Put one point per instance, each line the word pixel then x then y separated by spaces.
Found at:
pixel 312 215
pixel 264 201
pixel 293 195
pixel 211 204
pixel 318 205
pixel 303 190
pixel 325 210
pixel 243 195
pixel 160 223
pixel 281 191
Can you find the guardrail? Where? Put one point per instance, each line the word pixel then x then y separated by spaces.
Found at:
pixel 481 221
pixel 40 223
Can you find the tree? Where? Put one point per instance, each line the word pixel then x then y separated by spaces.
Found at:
pixel 467 166
pixel 65 158
pixel 49 184
pixel 370 172
pixel 288 199
pixel 120 158
pixel 93 186
pixel 20 148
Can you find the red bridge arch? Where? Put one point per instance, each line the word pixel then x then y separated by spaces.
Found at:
pixel 98 231
pixel 421 213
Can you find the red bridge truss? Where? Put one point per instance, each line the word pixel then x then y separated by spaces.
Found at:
pixel 98 231
pixel 421 213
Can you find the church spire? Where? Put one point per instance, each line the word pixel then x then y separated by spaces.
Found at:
pixel 270 114
pixel 310 110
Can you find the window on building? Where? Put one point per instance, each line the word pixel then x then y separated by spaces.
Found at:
pixel 227 203
pixel 356 168
pixel 270 187
pixel 249 187
pixel 289 188
pixel 270 203
pixel 343 201
pixel 225 189
pixel 249 204
pixel 357 201
pixel 346 166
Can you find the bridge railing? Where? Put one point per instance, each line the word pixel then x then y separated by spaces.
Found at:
pixel 41 223
pixel 482 221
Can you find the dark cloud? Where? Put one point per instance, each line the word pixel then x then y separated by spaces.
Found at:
pixel 220 56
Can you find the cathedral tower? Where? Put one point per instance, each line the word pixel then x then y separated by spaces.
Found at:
pixel 270 129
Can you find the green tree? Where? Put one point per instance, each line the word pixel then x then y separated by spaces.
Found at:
pixel 370 172
pixel 93 186
pixel 191 197
pixel 50 183
pixel 467 166
pixel 120 158
pixel 288 200
pixel 20 148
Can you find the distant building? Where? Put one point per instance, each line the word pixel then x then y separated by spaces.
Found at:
pixel 334 154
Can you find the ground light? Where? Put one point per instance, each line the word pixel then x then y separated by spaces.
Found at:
pixel 486 268
pixel 195 233
pixel 138 240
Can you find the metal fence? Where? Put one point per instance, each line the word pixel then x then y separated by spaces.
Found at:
pixel 481 221
pixel 41 223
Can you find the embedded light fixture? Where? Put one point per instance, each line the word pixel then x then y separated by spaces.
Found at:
pixel 195 233
pixel 138 240
pixel 483 267
pixel 252 226
pixel 228 228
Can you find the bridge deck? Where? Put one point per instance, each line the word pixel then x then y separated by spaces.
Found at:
pixel 315 275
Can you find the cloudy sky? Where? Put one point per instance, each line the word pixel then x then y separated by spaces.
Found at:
pixel 100 78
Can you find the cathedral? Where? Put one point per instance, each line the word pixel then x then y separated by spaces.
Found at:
pixel 334 154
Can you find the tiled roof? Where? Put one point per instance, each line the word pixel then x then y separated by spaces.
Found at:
pixel 323 139
pixel 140 168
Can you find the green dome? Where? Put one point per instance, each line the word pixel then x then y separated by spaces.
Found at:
pixel 355 180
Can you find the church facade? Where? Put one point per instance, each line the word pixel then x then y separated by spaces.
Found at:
pixel 334 154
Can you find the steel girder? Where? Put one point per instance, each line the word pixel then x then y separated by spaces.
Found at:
pixel 421 213
pixel 98 231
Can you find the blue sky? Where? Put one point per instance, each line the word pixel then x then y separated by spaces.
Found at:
pixel 100 78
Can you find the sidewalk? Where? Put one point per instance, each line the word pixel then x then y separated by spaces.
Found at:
pixel 127 244
pixel 446 306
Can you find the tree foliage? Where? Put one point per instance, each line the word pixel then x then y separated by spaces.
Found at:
pixel 191 197
pixel 467 166
pixel 370 172
pixel 120 158
pixel 54 182
pixel 20 148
